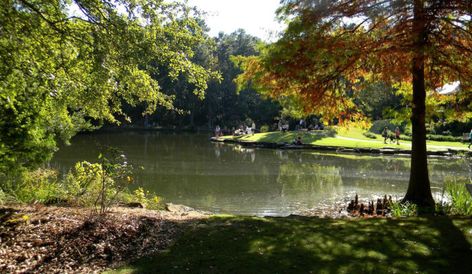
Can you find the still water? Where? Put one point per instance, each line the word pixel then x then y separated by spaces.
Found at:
pixel 188 169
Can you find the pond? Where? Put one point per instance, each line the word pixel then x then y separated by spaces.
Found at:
pixel 186 168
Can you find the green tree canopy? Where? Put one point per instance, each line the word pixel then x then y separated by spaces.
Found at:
pixel 68 63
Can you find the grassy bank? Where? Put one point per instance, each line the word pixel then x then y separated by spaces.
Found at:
pixel 314 245
pixel 348 138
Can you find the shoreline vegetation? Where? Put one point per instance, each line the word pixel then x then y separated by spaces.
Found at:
pixel 343 141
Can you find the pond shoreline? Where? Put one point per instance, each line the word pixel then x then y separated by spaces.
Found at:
pixel 340 149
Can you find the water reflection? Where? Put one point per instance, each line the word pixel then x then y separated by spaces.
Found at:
pixel 186 168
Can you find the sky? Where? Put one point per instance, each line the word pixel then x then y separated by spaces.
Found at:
pixel 256 17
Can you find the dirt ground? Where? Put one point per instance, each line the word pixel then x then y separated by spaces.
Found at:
pixel 40 239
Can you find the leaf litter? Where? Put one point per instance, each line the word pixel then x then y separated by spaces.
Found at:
pixel 43 239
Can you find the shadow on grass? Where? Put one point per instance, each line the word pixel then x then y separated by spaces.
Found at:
pixel 313 245
pixel 288 137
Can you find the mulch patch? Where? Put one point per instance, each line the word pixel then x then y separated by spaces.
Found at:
pixel 73 240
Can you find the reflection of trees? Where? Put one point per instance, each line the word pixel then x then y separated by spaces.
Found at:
pixel 446 169
pixel 187 168
pixel 311 180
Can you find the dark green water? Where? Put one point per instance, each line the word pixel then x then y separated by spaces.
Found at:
pixel 188 169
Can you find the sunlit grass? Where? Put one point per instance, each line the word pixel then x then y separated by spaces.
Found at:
pixel 317 245
pixel 347 138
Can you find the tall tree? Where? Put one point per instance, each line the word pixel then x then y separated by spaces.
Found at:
pixel 425 42
pixel 223 104
pixel 67 63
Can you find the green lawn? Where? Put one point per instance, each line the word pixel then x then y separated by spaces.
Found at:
pixel 317 245
pixel 348 138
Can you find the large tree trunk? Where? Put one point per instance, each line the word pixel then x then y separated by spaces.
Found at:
pixel 419 190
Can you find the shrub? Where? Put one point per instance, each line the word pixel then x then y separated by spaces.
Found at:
pixel 102 181
pixel 460 201
pixel 369 135
pixel 83 183
pixel 40 185
pixel 147 199
pixel 102 184
pixel 265 128
pixel 443 138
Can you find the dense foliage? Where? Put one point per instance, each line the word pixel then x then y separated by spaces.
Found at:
pixel 222 104
pixel 67 64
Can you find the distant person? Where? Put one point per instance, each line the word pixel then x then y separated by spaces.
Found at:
pixel 470 138
pixel 284 127
pixel 217 131
pixel 302 123
pixel 253 128
pixel 397 135
pixel 247 130
pixel 385 135
pixel 298 141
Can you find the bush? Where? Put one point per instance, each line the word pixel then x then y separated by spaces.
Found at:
pixel 148 200
pixel 369 135
pixel 264 128
pixel 83 183
pixel 102 182
pixel 460 201
pixel 105 183
pixel 39 186
pixel 443 138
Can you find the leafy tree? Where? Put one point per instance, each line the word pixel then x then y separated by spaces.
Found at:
pixel 331 43
pixel 378 101
pixel 222 104
pixel 66 64
pixel 232 106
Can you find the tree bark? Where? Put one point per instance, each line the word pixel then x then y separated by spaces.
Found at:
pixel 419 190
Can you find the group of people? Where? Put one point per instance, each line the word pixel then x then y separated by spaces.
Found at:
pixel 395 136
pixel 386 133
pixel 245 130
pixel 241 130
